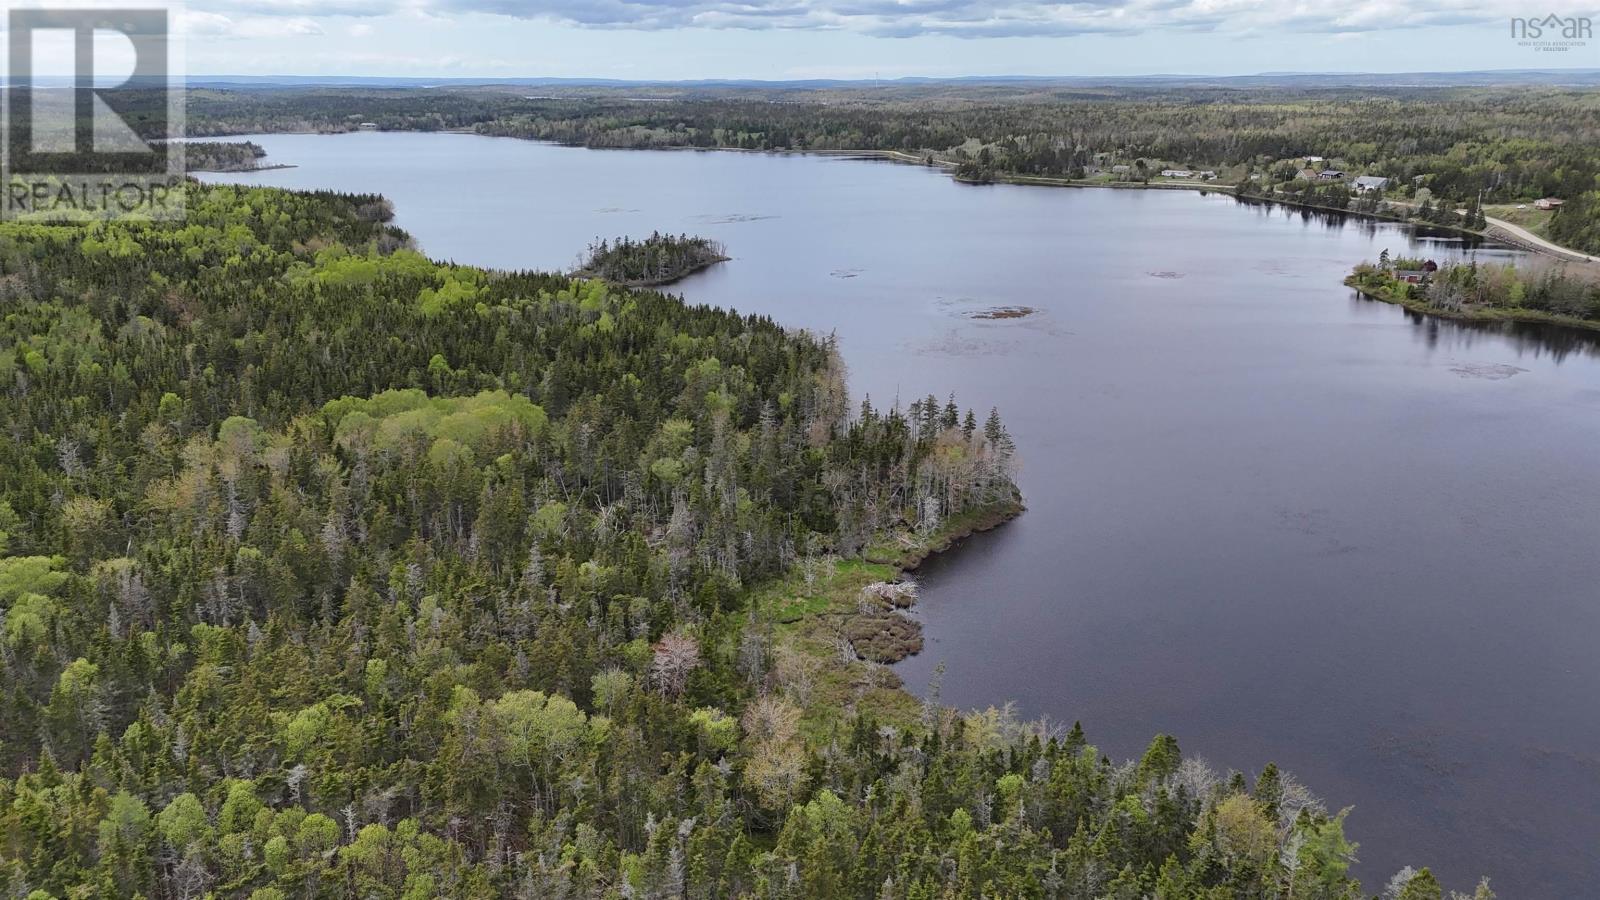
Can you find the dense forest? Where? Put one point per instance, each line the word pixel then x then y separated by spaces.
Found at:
pixel 657 260
pixel 1488 290
pixel 1462 144
pixel 328 570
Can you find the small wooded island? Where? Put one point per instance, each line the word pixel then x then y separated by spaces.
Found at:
pixel 657 260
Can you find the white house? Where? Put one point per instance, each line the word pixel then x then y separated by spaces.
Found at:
pixel 1176 173
pixel 1369 183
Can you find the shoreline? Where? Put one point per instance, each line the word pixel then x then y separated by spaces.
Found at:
pixel 1496 231
pixel 978 520
pixel 1477 314
pixel 270 168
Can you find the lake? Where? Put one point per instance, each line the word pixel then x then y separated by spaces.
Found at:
pixel 1271 518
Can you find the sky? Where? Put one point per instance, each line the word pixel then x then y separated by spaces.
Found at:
pixel 861 39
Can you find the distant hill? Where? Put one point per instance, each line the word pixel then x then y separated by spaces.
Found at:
pixel 1558 77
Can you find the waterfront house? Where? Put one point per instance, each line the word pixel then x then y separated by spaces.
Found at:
pixel 1330 175
pixel 1417 276
pixel 1369 183
pixel 1308 174
pixel 1176 173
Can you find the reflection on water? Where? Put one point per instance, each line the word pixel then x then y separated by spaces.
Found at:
pixel 1421 236
pixel 1535 340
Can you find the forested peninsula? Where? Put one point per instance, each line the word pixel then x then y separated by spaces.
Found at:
pixel 1471 290
pixel 328 570
pixel 224 156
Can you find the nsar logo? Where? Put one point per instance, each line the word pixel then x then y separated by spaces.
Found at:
pixel 1552 33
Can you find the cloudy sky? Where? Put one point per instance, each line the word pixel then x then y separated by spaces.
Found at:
pixel 784 39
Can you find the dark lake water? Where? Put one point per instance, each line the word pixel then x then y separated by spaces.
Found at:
pixel 1276 520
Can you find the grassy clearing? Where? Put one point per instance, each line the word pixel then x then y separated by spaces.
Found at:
pixel 1535 220
pixel 808 617
pixel 817 613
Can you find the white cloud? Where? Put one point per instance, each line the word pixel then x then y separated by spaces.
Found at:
pixel 909 18
pixel 216 26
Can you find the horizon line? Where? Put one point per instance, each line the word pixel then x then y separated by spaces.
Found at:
pixel 1165 76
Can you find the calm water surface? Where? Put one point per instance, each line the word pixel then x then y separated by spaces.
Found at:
pixel 1271 518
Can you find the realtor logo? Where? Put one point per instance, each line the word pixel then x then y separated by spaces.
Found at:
pixel 1553 33
pixel 91 113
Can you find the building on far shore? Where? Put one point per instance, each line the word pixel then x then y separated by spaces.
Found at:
pixel 1548 203
pixel 1176 173
pixel 1369 183
pixel 1330 175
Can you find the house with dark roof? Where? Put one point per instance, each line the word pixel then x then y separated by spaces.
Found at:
pixel 1330 175
pixel 1417 276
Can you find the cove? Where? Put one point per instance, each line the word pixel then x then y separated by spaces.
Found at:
pixel 1267 516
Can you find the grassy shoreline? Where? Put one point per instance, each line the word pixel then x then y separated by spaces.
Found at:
pixel 907 553
pixel 813 613
pixel 1475 314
